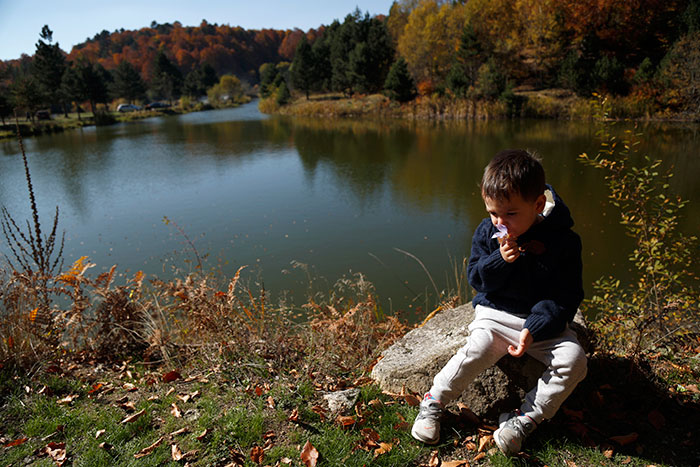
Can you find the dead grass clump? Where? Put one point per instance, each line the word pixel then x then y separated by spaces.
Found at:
pixel 348 329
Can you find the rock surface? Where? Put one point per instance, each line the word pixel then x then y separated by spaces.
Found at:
pixel 341 401
pixel 413 361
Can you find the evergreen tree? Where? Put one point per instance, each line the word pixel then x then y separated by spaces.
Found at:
pixel 86 81
pixel 26 95
pixel 49 65
pixel 457 80
pixel 166 81
pixel 372 56
pixel 322 61
pixel 5 104
pixel 399 83
pixel 303 77
pixel 268 73
pixel 283 94
pixel 199 81
pixel 127 82
pixel 470 54
pixel 73 88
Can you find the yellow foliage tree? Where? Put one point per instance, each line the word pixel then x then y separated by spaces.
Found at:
pixel 228 90
pixel 430 38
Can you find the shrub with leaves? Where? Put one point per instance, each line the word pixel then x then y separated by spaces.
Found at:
pixel 660 305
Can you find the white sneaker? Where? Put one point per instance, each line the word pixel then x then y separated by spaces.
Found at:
pixel 514 427
pixel 426 428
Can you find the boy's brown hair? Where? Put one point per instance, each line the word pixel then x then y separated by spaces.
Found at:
pixel 513 171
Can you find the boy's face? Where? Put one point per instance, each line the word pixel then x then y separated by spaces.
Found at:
pixel 516 213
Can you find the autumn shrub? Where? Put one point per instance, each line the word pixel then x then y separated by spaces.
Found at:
pixel 347 329
pixel 659 306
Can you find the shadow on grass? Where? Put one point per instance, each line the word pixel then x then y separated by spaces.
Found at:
pixel 619 415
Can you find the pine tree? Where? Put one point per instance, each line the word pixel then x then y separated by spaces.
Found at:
pixel 49 65
pixel 303 77
pixel 399 84
pixel 166 81
pixel 127 82
pixel 470 54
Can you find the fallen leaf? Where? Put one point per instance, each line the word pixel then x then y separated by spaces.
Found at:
pixel 175 452
pixel 345 421
pixel 179 432
pixel 183 398
pixel 175 411
pixel 478 457
pixel 467 414
pixel 128 406
pixel 238 457
pixel 412 400
pixel 309 455
pixel 95 388
pixel 484 442
pixel 627 460
pixel 434 459
pixel 170 391
pixel 16 442
pixel 147 450
pixel 270 402
pixel 607 450
pixel 624 440
pixel 56 451
pixel 133 417
pixel 570 463
pixel 258 391
pixel 99 433
pixel 320 411
pixel 692 388
pixel 171 376
pixel 203 434
pixel 129 387
pixel 294 416
pixel 456 463
pixel 375 404
pixel 106 446
pixel 68 399
pixel 257 454
pixel 286 461
pixel 383 449
pixel 470 445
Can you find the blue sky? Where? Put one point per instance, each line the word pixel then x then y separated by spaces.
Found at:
pixel 73 21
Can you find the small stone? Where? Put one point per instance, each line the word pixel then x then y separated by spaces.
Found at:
pixel 341 401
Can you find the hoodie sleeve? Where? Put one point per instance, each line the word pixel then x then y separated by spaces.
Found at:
pixel 487 270
pixel 549 317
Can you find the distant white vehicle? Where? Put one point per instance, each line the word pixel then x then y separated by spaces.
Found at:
pixel 127 107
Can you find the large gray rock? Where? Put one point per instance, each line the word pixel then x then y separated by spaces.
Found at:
pixel 413 361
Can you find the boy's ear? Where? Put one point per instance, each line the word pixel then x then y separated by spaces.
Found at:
pixel 540 203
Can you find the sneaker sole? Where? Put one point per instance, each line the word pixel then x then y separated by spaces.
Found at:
pixel 424 440
pixel 504 448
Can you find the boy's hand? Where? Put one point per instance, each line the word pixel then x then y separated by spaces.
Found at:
pixel 509 249
pixel 523 344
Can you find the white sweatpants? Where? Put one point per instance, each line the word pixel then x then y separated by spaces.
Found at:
pixel 491 332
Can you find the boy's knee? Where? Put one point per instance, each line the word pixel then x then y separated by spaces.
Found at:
pixel 579 364
pixel 481 343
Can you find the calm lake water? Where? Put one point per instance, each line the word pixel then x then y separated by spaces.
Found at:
pixel 339 197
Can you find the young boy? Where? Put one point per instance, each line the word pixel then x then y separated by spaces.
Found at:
pixel 526 266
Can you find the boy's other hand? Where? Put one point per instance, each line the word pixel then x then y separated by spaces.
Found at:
pixel 509 250
pixel 523 344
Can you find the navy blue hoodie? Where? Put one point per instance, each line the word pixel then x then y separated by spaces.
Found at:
pixel 543 285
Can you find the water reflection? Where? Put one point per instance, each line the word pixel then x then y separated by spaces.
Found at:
pixel 335 194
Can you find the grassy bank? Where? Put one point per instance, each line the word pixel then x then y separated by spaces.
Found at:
pixel 547 103
pixel 59 122
pixel 206 372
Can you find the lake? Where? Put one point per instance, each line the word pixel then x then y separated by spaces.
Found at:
pixel 304 202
